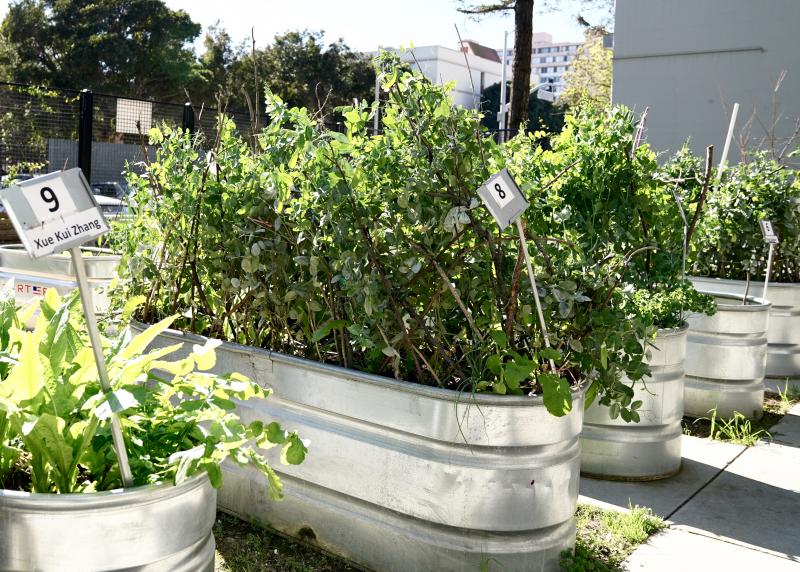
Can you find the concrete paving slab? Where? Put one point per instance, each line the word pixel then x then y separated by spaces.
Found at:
pixel 673 550
pixel 778 385
pixel 787 431
pixel 702 460
pixel 755 502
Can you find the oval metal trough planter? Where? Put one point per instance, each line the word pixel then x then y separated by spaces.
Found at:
pixel 651 449
pixel 783 334
pixel 32 278
pixel 403 477
pixel 161 528
pixel 726 357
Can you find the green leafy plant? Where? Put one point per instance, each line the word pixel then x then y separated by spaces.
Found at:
pixel 729 242
pixel 738 429
pixel 177 418
pixel 605 538
pixel 373 252
pixel 610 195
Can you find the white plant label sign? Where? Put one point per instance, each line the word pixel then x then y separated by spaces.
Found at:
pixel 770 236
pixel 503 198
pixel 54 212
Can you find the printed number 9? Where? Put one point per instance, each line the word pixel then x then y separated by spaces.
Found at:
pixel 500 192
pixel 49 196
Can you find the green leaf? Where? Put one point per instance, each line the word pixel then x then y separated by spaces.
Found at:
pixel 131 305
pixel 274 435
pixel 550 353
pixel 499 338
pixel 493 364
pixel 26 379
pixel 591 394
pixel 325 329
pixel 44 438
pixel 139 343
pixel 294 452
pixel 205 356
pixel 556 393
pixel 515 373
pixel 187 461
pixel 603 357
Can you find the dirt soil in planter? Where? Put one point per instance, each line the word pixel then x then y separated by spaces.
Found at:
pixel 244 547
pixel 605 539
pixel 776 406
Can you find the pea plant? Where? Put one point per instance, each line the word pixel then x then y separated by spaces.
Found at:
pixel 729 243
pixel 610 196
pixel 373 251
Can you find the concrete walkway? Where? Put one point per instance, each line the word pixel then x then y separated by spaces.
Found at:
pixel 730 508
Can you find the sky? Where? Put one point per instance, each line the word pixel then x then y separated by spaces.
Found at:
pixel 365 25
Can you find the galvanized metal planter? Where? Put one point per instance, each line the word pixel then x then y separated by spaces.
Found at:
pixel 405 477
pixel 650 449
pixel 147 529
pixel 726 357
pixel 783 335
pixel 32 278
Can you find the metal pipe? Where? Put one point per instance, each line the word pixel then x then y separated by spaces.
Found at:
pixel 85 108
pixel 501 116
pixel 188 118
pixel 728 138
pixel 102 372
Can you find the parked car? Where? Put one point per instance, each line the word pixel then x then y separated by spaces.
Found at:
pixel 114 189
pixel 111 206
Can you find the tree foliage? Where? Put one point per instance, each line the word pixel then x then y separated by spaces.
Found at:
pixel 588 78
pixel 305 72
pixel 542 114
pixel 132 47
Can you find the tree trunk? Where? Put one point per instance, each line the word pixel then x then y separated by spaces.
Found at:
pixel 521 68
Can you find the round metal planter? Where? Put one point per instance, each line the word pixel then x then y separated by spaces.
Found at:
pixel 726 357
pixel 406 477
pixel 162 528
pixel 783 334
pixel 650 449
pixel 30 279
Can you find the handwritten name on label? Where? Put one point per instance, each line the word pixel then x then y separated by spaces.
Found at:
pixel 770 236
pixel 61 234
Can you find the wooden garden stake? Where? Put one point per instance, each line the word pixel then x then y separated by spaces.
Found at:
pixel 506 203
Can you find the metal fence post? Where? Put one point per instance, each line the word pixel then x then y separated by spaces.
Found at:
pixel 85 107
pixel 188 118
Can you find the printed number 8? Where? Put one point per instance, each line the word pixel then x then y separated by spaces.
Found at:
pixel 500 192
pixel 49 196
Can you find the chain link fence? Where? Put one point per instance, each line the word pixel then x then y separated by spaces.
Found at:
pixel 40 130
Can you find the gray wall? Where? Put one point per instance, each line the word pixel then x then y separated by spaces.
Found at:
pixel 690 60
pixel 108 159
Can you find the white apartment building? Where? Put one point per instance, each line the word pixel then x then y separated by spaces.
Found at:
pixel 443 65
pixel 549 61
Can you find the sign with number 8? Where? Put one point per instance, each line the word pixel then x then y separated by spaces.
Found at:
pixel 503 198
